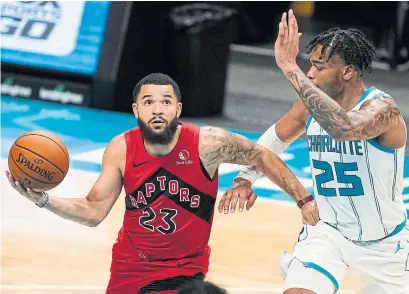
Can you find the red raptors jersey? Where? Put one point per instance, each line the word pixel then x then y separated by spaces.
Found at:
pixel 169 199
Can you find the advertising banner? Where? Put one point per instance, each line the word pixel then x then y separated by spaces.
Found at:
pixel 21 86
pixel 59 35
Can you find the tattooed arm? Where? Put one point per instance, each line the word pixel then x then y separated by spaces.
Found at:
pixel 278 137
pixel 371 121
pixel 218 146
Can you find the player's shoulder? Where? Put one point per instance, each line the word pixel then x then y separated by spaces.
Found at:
pixel 381 99
pixel 132 131
pixel 379 95
pixel 212 130
pixel 118 139
pixel 206 129
pixel 117 146
pixel 212 134
pixel 128 137
pixel 215 132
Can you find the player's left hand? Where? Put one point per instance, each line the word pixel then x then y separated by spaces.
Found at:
pixel 310 213
pixel 287 44
pixel 30 194
pixel 240 193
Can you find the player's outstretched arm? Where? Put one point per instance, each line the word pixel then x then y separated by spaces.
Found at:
pixel 277 138
pixel 373 119
pixel 218 146
pixel 370 121
pixel 92 209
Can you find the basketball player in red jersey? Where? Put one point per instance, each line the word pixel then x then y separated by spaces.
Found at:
pixel 169 172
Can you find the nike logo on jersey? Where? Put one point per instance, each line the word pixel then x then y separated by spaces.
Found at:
pixel 139 164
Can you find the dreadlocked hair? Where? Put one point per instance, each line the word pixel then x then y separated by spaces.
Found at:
pixel 351 45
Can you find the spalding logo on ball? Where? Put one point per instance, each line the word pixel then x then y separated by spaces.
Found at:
pixel 35 167
pixel 39 160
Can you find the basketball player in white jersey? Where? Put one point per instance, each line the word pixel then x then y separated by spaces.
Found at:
pixel 356 140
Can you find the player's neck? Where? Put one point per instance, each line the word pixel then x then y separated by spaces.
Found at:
pixel 351 96
pixel 162 150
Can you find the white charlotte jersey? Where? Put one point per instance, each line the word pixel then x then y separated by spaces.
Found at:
pixel 357 184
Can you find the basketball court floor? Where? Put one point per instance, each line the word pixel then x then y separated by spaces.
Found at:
pixel 42 253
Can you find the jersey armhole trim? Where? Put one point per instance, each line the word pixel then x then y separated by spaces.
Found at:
pixel 204 171
pixel 127 143
pixel 396 231
pixel 308 122
pixel 381 147
pixel 384 95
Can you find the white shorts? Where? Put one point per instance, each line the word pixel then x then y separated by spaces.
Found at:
pixel 382 267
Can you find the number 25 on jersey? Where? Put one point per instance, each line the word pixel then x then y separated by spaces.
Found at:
pixel 353 184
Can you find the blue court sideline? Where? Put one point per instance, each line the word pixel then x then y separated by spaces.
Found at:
pixel 85 130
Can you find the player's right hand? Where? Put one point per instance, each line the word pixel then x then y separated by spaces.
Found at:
pixel 240 192
pixel 30 194
pixel 310 213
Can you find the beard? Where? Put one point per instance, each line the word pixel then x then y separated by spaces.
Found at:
pixel 162 138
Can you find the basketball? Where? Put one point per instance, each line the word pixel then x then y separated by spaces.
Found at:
pixel 38 160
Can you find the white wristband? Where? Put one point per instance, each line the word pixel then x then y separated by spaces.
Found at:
pixel 271 141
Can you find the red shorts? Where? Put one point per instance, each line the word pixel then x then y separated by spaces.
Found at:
pixel 132 273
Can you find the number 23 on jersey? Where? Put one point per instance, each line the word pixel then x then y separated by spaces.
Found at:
pixel 167 215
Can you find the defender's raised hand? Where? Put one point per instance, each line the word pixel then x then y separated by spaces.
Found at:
pixel 287 44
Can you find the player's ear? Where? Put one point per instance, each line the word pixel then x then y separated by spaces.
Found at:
pixel 178 109
pixel 348 72
pixel 135 109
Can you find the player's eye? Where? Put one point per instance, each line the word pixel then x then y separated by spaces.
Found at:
pixel 147 102
pixel 167 102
